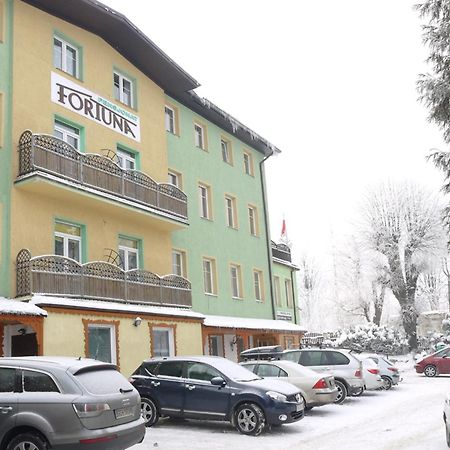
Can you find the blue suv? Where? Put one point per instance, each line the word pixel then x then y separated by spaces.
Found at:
pixel 214 388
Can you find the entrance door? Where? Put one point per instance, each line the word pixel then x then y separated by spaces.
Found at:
pixel 24 345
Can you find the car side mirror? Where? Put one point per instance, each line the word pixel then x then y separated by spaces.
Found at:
pixel 444 356
pixel 218 381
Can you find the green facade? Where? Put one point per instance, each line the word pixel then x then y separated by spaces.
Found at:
pixel 6 150
pixel 286 273
pixel 213 238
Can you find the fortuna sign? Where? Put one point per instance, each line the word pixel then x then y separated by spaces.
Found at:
pixel 93 107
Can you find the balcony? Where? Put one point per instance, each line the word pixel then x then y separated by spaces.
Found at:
pixel 98 280
pixel 281 251
pixel 44 155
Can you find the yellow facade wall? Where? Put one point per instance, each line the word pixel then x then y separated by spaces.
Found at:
pixel 64 336
pixel 33 214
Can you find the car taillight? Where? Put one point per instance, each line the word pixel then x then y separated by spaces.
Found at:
pixel 85 410
pixel 393 369
pixel 374 371
pixel 321 384
pixel 358 374
pixel 131 380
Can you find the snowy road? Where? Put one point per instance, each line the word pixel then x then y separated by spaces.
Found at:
pixel 407 417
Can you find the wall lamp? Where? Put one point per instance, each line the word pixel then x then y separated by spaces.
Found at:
pixel 137 321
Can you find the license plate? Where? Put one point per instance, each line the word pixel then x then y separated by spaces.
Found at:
pixel 299 407
pixel 124 412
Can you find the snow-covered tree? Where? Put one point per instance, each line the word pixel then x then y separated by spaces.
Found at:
pixel 402 223
pixel 309 284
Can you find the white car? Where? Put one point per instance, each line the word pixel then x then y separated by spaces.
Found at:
pixel 447 419
pixel 389 373
pixel 371 374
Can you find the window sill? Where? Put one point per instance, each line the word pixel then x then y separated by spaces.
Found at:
pixel 206 218
pixel 238 298
pixel 67 74
pixel 209 294
pixel 233 228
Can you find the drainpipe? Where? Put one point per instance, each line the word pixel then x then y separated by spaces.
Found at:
pixel 293 295
pixel 269 245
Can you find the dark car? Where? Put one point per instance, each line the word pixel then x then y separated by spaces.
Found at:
pixel 433 365
pixel 66 403
pixel 214 388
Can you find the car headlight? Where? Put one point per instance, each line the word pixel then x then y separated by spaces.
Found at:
pixel 276 396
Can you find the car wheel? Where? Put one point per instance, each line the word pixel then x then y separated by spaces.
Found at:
pixel 387 383
pixel 149 412
pixel 249 419
pixel 358 392
pixel 342 392
pixel 430 371
pixel 27 441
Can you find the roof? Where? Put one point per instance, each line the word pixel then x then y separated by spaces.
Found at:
pixel 251 324
pixel 142 52
pixel 19 308
pixel 80 303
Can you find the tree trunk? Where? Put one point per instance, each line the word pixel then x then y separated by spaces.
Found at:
pixel 378 304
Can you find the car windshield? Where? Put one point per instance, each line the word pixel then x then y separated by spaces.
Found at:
pixel 233 370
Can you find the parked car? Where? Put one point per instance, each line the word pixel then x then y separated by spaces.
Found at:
pixel 346 368
pixel 214 388
pixel 316 390
pixel 447 419
pixel 266 352
pixel 56 402
pixel 434 364
pixel 371 373
pixel 389 373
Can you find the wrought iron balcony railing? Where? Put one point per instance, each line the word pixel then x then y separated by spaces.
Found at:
pixel 60 276
pixel 281 251
pixel 44 153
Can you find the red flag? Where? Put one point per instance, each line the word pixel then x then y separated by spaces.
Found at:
pixel 283 230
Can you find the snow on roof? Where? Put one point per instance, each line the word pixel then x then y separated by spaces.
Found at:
pixel 430 313
pixel 16 307
pixel 114 306
pixel 252 324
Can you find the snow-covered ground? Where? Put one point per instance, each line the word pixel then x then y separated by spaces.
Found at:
pixel 407 417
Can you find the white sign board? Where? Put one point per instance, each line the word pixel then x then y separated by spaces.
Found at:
pixel 94 107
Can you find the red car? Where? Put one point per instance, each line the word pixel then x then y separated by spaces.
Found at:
pixel 434 364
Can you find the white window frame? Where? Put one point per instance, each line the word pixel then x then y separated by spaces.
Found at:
pixel 175 176
pixel 64 45
pixel 253 220
pixel 199 135
pixel 230 210
pixel 127 250
pixel 211 274
pixel 236 281
pixel 277 290
pixel 121 98
pixel 182 258
pixel 204 200
pixel 124 156
pixel 68 131
pixel 225 148
pixel 171 338
pixel 289 293
pixel 112 335
pixel 257 282
pixel 248 164
pixel 170 121
pixel 66 237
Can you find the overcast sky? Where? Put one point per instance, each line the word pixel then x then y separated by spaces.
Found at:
pixel 331 83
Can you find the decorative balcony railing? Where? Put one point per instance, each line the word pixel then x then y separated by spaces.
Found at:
pixel 281 251
pixel 44 153
pixel 59 276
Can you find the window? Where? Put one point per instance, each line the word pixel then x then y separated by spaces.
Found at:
pixel 175 179
pixel 205 201
pixel 170 117
pixel 199 133
pixel 123 89
pixel 202 372
pixel 126 159
pixel 277 290
pixel 313 358
pixel 226 151
pixel 248 164
pixel 162 342
pixel 209 276
pixel 7 379
pixel 67 133
pixel 68 240
pixel 38 382
pixel 338 359
pixel 129 253
pixel 288 288
pixel 253 220
pixel 171 369
pixel 179 263
pixel 269 370
pixel 216 345
pixel 257 279
pixel 65 57
pixel 230 208
pixel 236 281
pixel 102 342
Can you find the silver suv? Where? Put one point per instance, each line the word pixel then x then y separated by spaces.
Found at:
pixel 66 403
pixel 346 369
